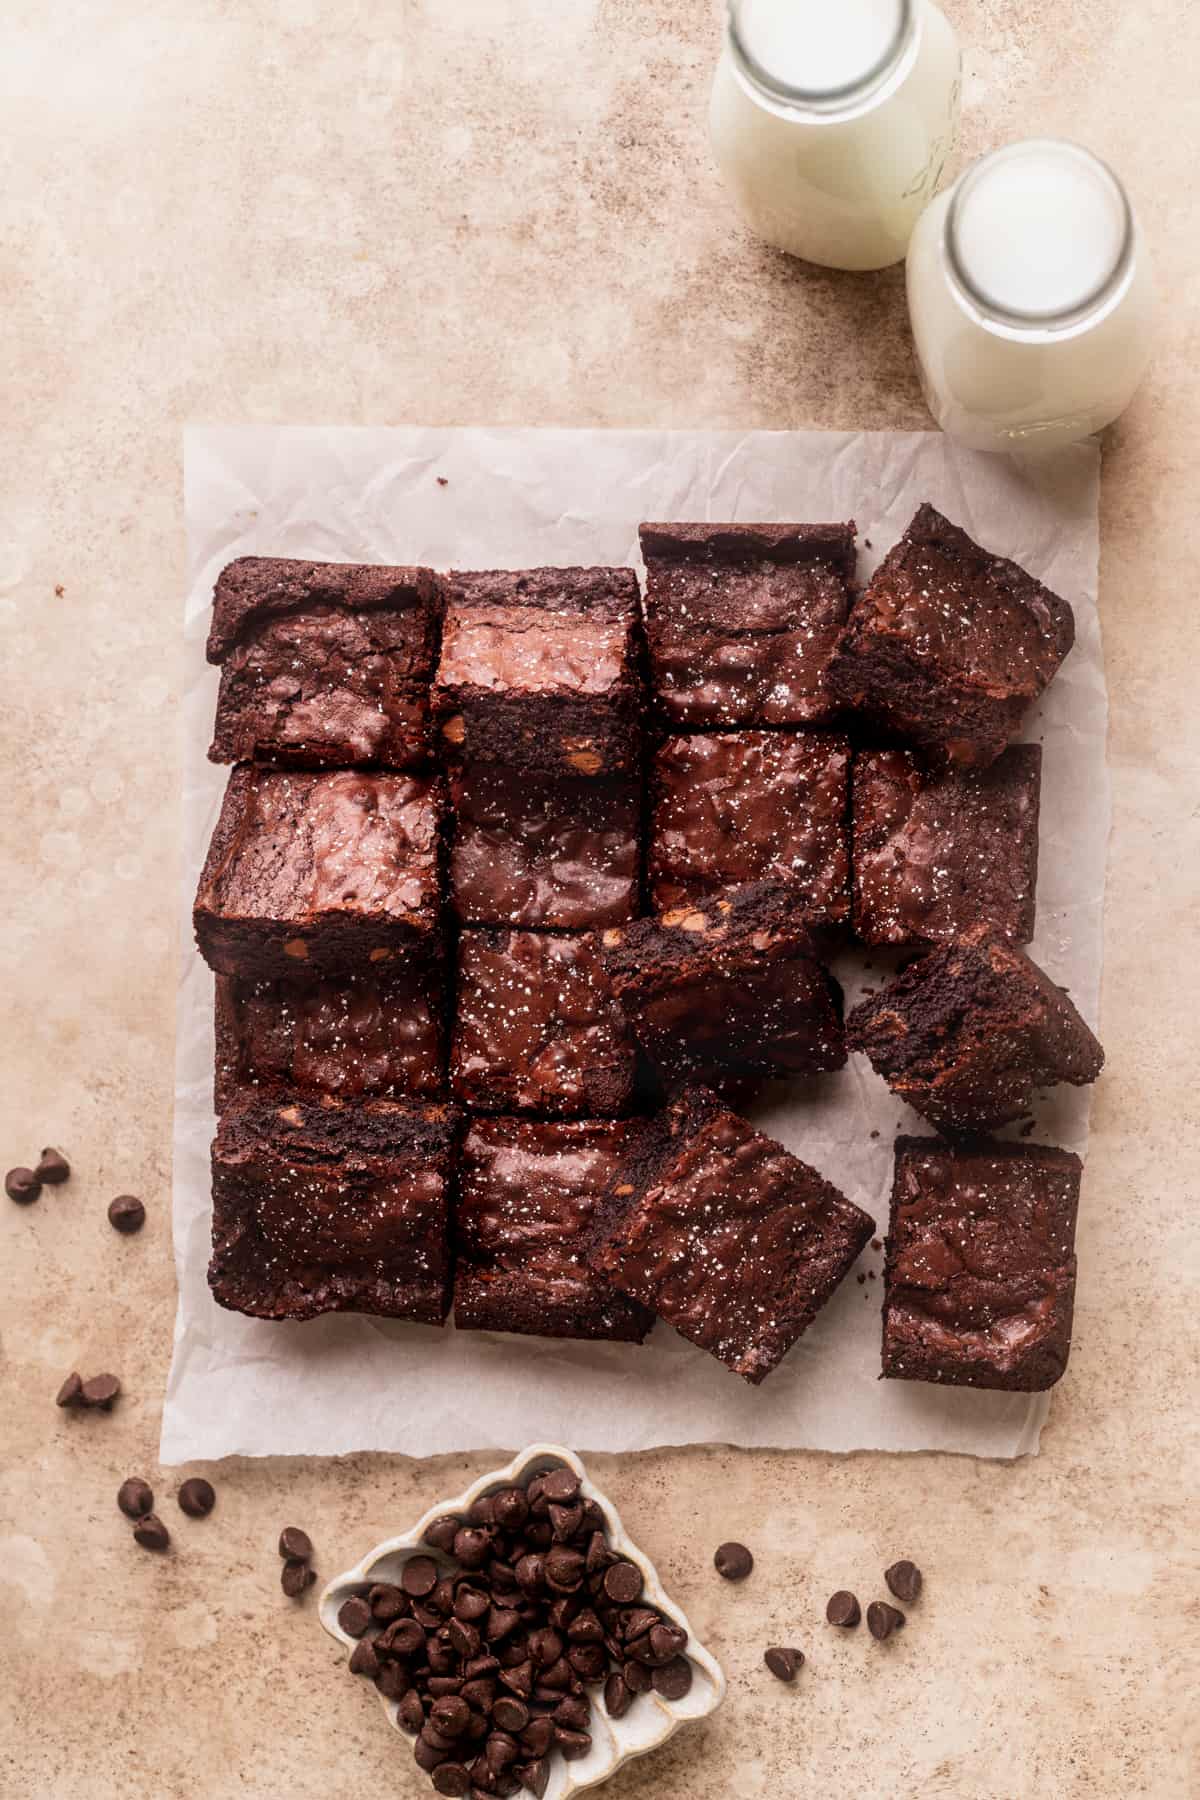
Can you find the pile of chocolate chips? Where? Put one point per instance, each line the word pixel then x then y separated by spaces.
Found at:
pixel 491 1658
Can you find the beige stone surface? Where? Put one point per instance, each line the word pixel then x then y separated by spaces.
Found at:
pixel 472 211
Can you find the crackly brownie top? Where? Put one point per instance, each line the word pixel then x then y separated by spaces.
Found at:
pixel 295 845
pixel 981 1251
pixel 539 631
pixel 256 589
pixel 358 1035
pixel 752 806
pixel 935 852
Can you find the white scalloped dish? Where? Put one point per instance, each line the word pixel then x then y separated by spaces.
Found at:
pixel 650 1721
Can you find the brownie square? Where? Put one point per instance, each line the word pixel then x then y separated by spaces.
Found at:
pixel 727 1237
pixel 950 645
pixel 968 1034
pixel 533 1195
pixel 359 1035
pixel 980 1268
pixel 741 620
pixel 730 986
pixel 536 1028
pixel 323 665
pixel 544 850
pixel 747 806
pixel 333 1206
pixel 539 670
pixel 320 873
pixel 937 851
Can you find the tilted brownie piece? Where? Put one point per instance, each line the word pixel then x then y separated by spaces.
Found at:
pixel 746 806
pixel 321 873
pixel 730 1239
pixel 353 1036
pixel 323 665
pixel 539 670
pixel 544 850
pixel 742 620
pixel 333 1206
pixel 729 985
pixel 980 1271
pixel 537 1029
pixel 950 645
pixel 533 1196
pixel 968 1034
pixel 937 851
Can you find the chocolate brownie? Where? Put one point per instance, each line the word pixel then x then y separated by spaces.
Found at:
pixel 729 985
pixel 333 1206
pixel 744 806
pixel 359 1035
pixel 539 670
pixel 741 620
pixel 980 1273
pixel 950 645
pixel 320 873
pixel 323 665
pixel 727 1237
pixel 968 1034
pixel 936 852
pixel 533 1195
pixel 537 1029
pixel 543 850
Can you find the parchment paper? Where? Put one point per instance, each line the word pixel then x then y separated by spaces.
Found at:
pixel 521 497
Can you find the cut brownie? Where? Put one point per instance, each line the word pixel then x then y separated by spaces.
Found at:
pixel 359 1035
pixel 980 1277
pixel 539 670
pixel 537 1029
pixel 742 620
pixel 333 1206
pixel 533 1195
pixel 950 645
pixel 746 806
pixel 543 850
pixel 727 1237
pixel 968 1034
pixel 937 852
pixel 323 665
pixel 729 985
pixel 320 873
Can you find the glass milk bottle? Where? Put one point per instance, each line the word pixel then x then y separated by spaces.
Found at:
pixel 1031 299
pixel 831 122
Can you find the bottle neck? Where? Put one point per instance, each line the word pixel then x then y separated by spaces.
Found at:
pixel 821 60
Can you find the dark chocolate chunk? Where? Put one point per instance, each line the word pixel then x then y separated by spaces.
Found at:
pixel 733 1562
pixel 197 1497
pixel 904 1580
pixel 843 1609
pixel 135 1497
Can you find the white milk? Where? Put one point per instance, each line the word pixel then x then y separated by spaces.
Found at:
pixel 832 120
pixel 1031 299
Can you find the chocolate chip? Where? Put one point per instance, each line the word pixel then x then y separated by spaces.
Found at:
pixel 510 1714
pixel 354 1616
pixel 411 1713
pixel 502 1621
pixel 843 1609
pixel 785 1665
pixel 419 1576
pixel 450 1715
pixel 387 1603
pixel 126 1214
pixel 733 1562
pixel 364 1660
pixel 537 1736
pixel 426 1756
pixel 561 1486
pixel 295 1545
pixel 451 1778
pixel 100 1391
pixel 883 1619
pixel 407 1637
pixel 22 1185
pixel 197 1497
pixel 531 1573
pixel 439 1686
pixel 472 1547
pixel 636 1677
pixel 510 1509
pixel 618 1697
pixel 535 1776
pixel 71 1392
pixel 296 1577
pixel 502 1751
pixel 151 1533
pixel 518 1680
pixel 564 1568
pixel 575 1712
pixel 572 1744
pixel 442 1533
pixel 470 1603
pixel 674 1679
pixel 393 1680
pixel 545 1647
pixel 135 1497
pixel 53 1168
pixel 623 1583
pixel 667 1641
pixel 464 1638
pixel 589 1661
pixel 904 1580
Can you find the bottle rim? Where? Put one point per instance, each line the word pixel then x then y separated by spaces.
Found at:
pixel 995 310
pixel 820 102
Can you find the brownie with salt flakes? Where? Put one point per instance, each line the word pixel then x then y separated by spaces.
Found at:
pixel 728 1238
pixel 532 1196
pixel 980 1266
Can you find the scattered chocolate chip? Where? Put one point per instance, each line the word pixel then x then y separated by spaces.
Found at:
pixel 674 1679
pixel 295 1545
pixel 126 1214
pixel 419 1576
pixel 904 1580
pixel 296 1577
pixel 22 1185
pixel 784 1664
pixel 71 1392
pixel 100 1391
pixel 197 1497
pixel 883 1619
pixel 733 1562
pixel 364 1659
pixel 53 1168
pixel 354 1615
pixel 151 1533
pixel 135 1497
pixel 843 1609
